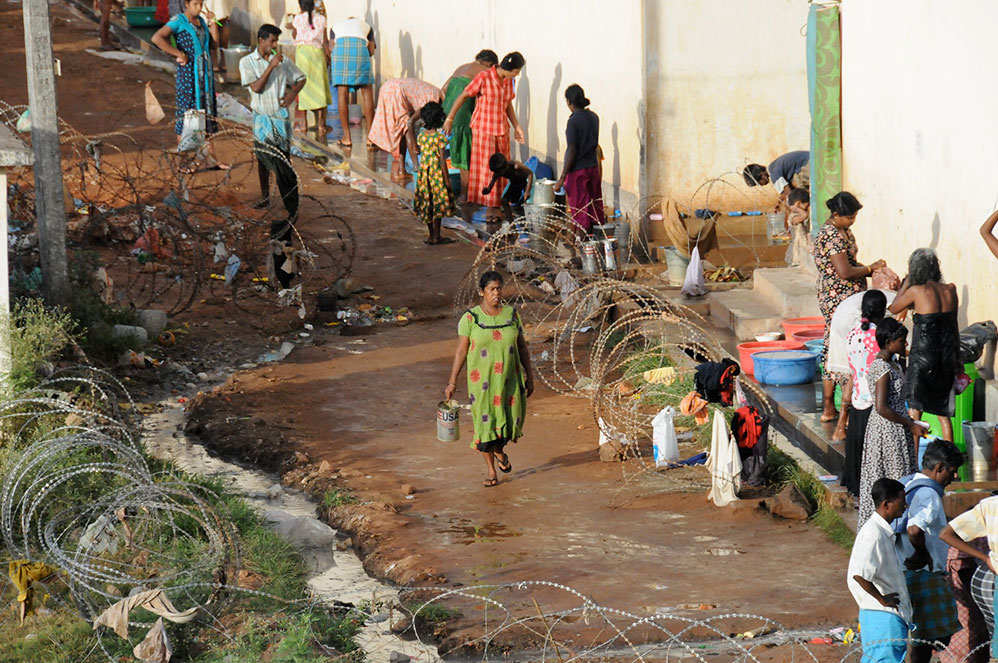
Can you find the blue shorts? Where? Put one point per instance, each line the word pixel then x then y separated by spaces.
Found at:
pixel 884 636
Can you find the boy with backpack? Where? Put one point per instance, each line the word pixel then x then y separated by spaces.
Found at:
pixel 923 553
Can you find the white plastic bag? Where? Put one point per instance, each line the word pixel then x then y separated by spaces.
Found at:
pixel 694 286
pixel 192 133
pixel 154 111
pixel 666 446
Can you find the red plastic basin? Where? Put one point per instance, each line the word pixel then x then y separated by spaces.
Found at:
pixel 746 350
pixel 793 325
pixel 806 335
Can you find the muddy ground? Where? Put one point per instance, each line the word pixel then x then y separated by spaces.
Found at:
pixel 346 416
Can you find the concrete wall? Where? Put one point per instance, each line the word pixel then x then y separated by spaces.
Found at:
pixel 602 52
pixel 726 86
pixel 918 116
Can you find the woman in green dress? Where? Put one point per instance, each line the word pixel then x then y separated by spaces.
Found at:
pixel 500 379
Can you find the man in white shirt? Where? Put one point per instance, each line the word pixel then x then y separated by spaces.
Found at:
pixel 273 83
pixel 876 580
pixel 923 553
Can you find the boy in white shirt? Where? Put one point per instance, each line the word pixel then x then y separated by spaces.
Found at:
pixel 923 553
pixel 876 580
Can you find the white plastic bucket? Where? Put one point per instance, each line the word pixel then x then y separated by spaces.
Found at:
pixel 979 437
pixel 448 429
pixel 232 56
pixel 677 264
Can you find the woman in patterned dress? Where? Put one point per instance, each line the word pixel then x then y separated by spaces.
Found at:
pixel 433 199
pixel 500 378
pixel 195 78
pixel 394 127
pixel 889 449
pixel 839 275
pixel 311 56
pixel 493 93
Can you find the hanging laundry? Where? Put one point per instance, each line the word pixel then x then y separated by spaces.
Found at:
pixel 694 406
pixel 153 600
pixel 715 380
pixel 724 464
pixel 23 573
pixel 666 446
pixel 751 431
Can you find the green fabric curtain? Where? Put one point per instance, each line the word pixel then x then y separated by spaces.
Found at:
pixel 824 87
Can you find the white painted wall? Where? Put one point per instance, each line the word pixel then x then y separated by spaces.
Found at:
pixel 727 86
pixel 919 134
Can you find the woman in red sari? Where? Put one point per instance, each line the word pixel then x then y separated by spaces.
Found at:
pixel 493 93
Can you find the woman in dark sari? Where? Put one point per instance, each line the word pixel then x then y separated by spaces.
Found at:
pixel 933 360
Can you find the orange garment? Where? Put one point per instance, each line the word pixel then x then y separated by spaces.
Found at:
pixel 694 406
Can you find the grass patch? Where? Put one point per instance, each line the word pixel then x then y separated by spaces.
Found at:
pixel 337 497
pixel 433 613
pixel 37 335
pixel 781 470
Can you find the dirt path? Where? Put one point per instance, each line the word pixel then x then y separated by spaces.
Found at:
pixel 630 540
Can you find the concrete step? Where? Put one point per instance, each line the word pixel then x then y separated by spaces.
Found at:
pixel 789 290
pixel 745 312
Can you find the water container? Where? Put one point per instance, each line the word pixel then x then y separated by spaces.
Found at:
pixel 541 170
pixel 783 367
pixel 448 429
pixel 543 192
pixel 233 54
pixel 677 264
pixel 979 437
pixel 590 257
pixel 775 225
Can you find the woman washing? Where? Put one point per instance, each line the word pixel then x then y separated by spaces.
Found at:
pixel 493 93
pixel 311 56
pixel 460 138
pixel 394 128
pixel 935 339
pixel 839 275
pixel 500 377
pixel 581 175
pixel 889 449
pixel 195 79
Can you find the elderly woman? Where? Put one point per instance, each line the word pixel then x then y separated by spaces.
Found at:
pixel 839 275
pixel 500 378
pixel 493 93
pixel 393 130
pixel 350 61
pixel 460 137
pixel 935 339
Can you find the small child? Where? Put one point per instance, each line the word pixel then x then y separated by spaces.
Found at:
pixel 434 199
pixel 876 580
pixel 799 227
pixel 521 180
pixel 923 553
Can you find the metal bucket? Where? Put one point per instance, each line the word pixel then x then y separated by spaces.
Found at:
pixel 677 264
pixel 543 192
pixel 448 429
pixel 232 55
pixel 979 437
pixel 590 257
pixel 610 254
pixel 541 225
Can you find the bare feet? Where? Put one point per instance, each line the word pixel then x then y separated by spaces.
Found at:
pixel 839 434
pixel 829 415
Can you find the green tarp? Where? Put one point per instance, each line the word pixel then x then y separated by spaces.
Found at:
pixel 824 88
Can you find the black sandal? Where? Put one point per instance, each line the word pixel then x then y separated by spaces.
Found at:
pixel 489 483
pixel 506 467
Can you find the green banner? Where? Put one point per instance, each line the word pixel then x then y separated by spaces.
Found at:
pixel 824 87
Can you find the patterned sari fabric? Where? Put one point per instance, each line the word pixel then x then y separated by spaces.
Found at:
pixel 824 87
pixel 195 80
pixel 398 99
pixel 433 198
pixel 460 136
pixel 833 290
pixel 489 133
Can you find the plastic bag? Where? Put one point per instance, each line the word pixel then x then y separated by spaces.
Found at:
pixel 694 286
pixel 24 122
pixel 192 133
pixel 885 279
pixel 154 112
pixel 666 446
pixel 974 338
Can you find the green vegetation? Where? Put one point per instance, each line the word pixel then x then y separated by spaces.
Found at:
pixel 338 497
pixel 37 335
pixel 781 470
pixel 95 318
pixel 432 613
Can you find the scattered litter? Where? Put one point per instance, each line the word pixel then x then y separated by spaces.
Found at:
pixel 24 122
pixel 723 552
pixel 229 108
pixel 278 355
pixel 232 267
pixel 134 58
pixel 154 110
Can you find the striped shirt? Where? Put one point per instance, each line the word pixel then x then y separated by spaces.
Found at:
pixel 493 95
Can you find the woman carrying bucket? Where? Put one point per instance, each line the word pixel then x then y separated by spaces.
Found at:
pixel 500 378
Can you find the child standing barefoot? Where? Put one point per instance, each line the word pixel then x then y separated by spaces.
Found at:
pixel 434 199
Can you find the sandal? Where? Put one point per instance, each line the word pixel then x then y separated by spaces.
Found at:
pixel 506 466
pixel 344 145
pixel 489 483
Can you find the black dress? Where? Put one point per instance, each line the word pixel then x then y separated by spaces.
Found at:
pixel 932 359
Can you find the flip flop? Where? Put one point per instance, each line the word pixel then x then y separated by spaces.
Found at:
pixel 489 483
pixel 344 145
pixel 445 240
pixel 506 467
pixel 263 204
pixel 826 419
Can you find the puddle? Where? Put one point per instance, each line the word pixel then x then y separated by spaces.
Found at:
pixel 464 532
pixel 335 576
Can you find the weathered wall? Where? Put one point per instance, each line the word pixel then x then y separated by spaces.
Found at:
pixel 918 116
pixel 726 86
pixel 602 52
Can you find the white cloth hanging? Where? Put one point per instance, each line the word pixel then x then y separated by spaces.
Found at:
pixel 723 463
pixel 666 446
pixel 694 285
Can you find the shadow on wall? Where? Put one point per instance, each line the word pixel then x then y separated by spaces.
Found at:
pixel 553 101
pixel 411 59
pixel 372 19
pixel 936 227
pixel 522 108
pixel 277 15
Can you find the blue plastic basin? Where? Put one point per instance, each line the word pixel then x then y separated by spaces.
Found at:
pixel 782 367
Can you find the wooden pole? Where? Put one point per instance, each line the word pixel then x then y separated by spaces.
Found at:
pixel 49 209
